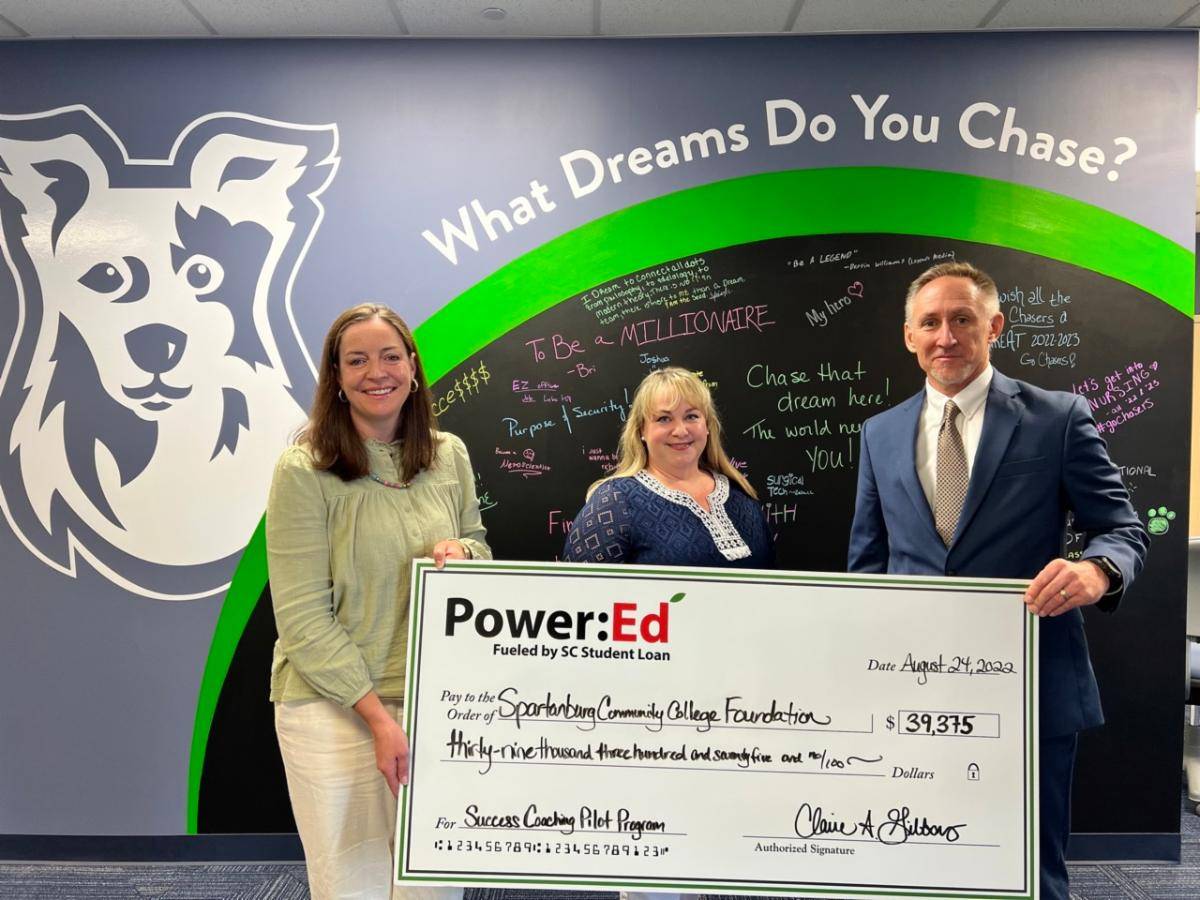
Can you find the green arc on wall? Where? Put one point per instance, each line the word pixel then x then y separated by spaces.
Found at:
pixel 724 214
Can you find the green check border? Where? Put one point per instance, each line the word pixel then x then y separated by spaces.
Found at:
pixel 808 579
pixel 851 200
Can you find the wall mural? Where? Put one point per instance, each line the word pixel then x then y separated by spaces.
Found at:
pixel 157 357
pixel 180 221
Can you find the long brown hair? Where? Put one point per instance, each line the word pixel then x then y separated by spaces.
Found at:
pixel 665 388
pixel 330 433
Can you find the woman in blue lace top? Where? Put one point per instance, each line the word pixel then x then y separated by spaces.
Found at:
pixel 674 497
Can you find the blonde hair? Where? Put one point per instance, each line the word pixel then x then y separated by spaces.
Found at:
pixel 665 388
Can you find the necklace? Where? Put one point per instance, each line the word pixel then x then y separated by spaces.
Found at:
pixel 398 485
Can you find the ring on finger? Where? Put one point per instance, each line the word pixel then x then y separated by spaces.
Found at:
pixel 1063 593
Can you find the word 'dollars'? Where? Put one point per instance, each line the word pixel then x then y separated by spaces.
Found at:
pixel 627 624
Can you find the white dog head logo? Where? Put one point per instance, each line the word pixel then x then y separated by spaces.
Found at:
pixel 155 371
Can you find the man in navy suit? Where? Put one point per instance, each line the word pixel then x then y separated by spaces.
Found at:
pixel 974 476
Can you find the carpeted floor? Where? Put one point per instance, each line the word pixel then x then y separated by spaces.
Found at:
pixel 286 881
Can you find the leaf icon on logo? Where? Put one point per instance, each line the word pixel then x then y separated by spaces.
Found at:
pixel 678 597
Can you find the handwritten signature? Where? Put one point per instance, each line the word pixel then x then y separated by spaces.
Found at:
pixel 900 825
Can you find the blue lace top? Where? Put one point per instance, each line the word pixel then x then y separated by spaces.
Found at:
pixel 639 520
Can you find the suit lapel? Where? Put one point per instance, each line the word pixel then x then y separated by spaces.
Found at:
pixel 1003 413
pixel 906 456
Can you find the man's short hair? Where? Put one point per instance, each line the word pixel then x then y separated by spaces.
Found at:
pixel 959 269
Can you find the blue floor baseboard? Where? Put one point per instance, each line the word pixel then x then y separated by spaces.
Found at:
pixel 1124 847
pixel 152 848
pixel 286 848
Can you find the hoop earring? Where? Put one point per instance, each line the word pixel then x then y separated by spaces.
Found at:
pixel 341 396
pixel 414 385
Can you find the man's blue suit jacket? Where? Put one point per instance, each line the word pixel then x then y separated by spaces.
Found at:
pixel 1039 456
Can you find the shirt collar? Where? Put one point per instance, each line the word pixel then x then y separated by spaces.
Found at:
pixel 969 400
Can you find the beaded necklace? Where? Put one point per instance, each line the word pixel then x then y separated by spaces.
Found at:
pixel 398 485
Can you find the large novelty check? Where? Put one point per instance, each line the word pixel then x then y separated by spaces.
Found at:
pixel 720 731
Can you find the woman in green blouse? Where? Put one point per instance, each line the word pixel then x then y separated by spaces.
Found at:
pixel 369 485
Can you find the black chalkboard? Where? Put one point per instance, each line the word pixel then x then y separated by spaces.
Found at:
pixel 800 340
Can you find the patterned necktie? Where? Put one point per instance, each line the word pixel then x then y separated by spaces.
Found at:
pixel 951 489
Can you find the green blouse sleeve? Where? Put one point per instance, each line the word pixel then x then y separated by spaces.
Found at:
pixel 310 635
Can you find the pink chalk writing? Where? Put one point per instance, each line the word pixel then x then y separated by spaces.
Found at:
pixel 1121 395
pixel 722 321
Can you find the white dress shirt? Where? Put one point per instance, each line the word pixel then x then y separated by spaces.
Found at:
pixel 971 402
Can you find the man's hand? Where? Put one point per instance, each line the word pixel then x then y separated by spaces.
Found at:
pixel 1064 585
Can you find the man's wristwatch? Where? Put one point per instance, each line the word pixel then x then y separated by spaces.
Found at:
pixel 1109 568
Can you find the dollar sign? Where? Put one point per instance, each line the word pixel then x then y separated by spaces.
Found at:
pixel 891 723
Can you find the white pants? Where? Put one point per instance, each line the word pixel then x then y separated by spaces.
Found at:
pixel 345 813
